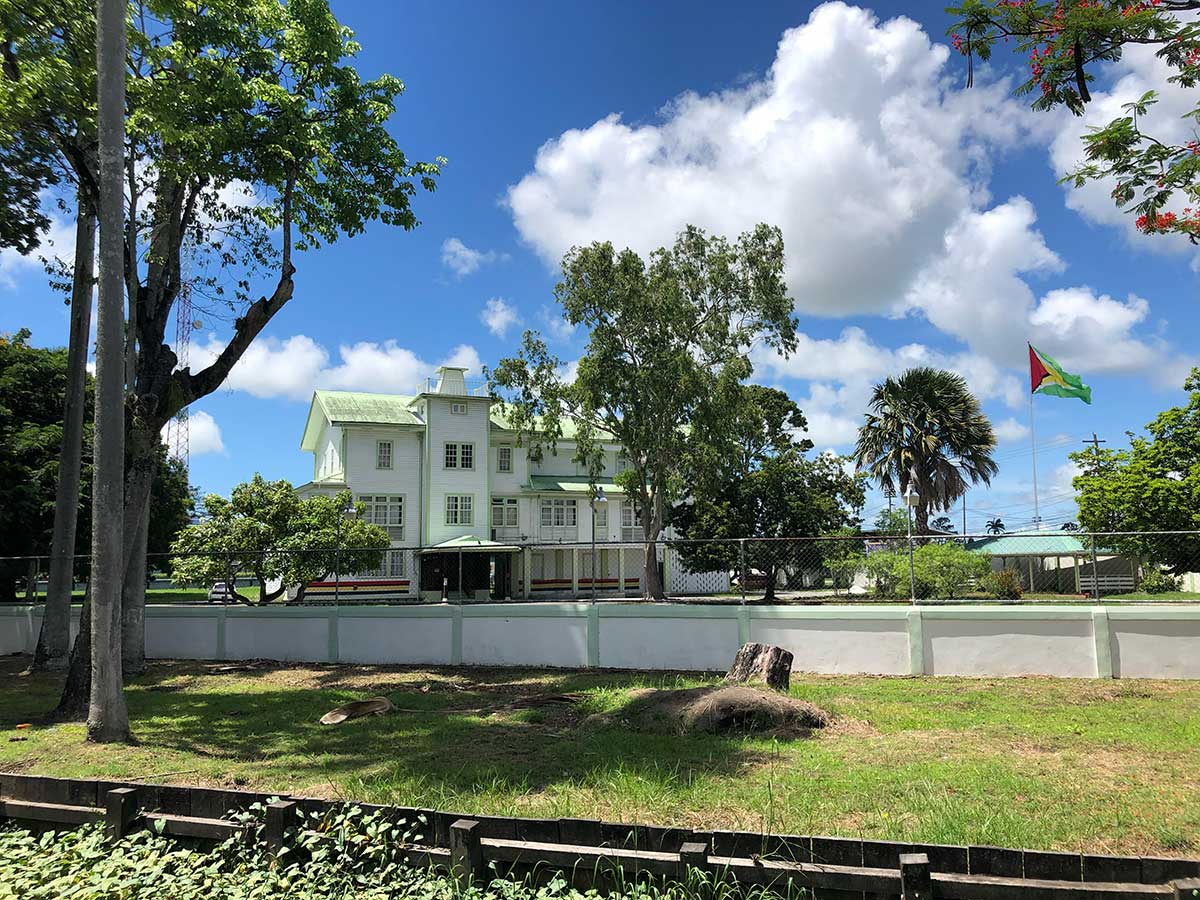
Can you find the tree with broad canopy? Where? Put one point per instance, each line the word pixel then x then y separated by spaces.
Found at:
pixel 669 342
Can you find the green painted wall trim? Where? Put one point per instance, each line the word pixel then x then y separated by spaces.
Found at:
pixel 593 636
pixel 916 643
pixel 743 626
pixel 456 620
pixel 1104 660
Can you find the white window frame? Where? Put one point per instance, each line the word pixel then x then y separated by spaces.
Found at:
pixel 460 509
pixel 394 565
pixel 386 511
pixel 561 509
pixel 600 514
pixel 458 409
pixel 504 459
pixel 510 512
pixel 382 449
pixel 458 455
pixel 631 524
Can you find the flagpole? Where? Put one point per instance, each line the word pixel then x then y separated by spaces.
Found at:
pixel 1037 517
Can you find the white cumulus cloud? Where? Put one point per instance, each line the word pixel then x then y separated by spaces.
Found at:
pixel 292 368
pixel 499 315
pixel 204 434
pixel 463 260
pixel 853 143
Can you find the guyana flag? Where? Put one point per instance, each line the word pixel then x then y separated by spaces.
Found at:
pixel 1047 377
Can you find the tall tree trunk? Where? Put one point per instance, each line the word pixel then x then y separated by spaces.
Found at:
pixel 139 481
pixel 73 704
pixel 133 594
pixel 54 643
pixel 108 719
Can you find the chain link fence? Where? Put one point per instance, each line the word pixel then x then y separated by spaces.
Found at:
pixel 1021 567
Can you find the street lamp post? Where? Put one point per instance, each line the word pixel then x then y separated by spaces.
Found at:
pixel 347 511
pixel 911 499
pixel 599 498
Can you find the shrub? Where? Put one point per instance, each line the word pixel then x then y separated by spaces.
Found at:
pixel 1004 584
pixel 948 569
pixel 1156 581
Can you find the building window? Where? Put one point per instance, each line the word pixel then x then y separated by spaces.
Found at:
pixel 458 409
pixel 393 566
pixel 459 456
pixel 460 509
pixel 631 525
pixel 600 512
pixel 505 512
pixel 383 454
pixel 504 459
pixel 386 511
pixel 558 513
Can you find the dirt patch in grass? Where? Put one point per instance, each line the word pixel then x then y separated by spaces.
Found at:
pixel 724 710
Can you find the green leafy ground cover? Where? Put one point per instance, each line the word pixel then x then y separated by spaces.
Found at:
pixel 1102 766
pixel 340 854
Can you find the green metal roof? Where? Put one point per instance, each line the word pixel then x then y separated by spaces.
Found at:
pixel 570 484
pixel 357 408
pixel 1030 545
pixel 570 430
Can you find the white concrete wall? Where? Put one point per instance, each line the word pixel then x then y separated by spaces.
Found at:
pixel 492 638
pixel 254 634
pixel 875 643
pixel 665 637
pixel 183 637
pixel 985 642
pixel 371 639
pixel 1142 647
pixel 1082 642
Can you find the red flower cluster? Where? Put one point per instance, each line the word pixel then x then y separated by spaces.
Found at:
pixel 1194 146
pixel 1161 222
pixel 957 41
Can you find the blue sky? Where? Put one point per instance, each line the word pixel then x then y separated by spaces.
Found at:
pixel 923 222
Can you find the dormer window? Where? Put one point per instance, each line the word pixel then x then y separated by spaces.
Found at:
pixel 458 409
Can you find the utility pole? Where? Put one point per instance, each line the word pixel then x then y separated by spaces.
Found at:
pixel 1095 442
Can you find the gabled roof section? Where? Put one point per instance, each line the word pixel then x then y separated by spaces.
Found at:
pixel 500 421
pixel 356 408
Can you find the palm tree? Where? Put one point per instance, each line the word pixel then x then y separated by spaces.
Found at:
pixel 925 428
pixel 995 526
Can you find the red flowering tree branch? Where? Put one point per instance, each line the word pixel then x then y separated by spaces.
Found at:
pixel 1064 42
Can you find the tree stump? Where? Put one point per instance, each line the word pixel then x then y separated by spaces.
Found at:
pixel 762 662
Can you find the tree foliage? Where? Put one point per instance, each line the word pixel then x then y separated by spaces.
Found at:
pixel 1153 487
pixel 925 428
pixel 668 347
pixel 1066 41
pixel 265 529
pixel 33 384
pixel 755 481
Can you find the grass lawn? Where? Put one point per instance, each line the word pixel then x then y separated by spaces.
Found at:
pixel 1106 766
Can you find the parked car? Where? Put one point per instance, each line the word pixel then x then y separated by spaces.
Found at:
pixel 220 593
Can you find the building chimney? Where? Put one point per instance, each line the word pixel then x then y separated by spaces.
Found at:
pixel 451 380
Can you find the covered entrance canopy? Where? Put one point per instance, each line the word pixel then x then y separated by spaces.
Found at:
pixel 468 567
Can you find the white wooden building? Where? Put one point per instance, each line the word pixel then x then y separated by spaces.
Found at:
pixel 469 513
